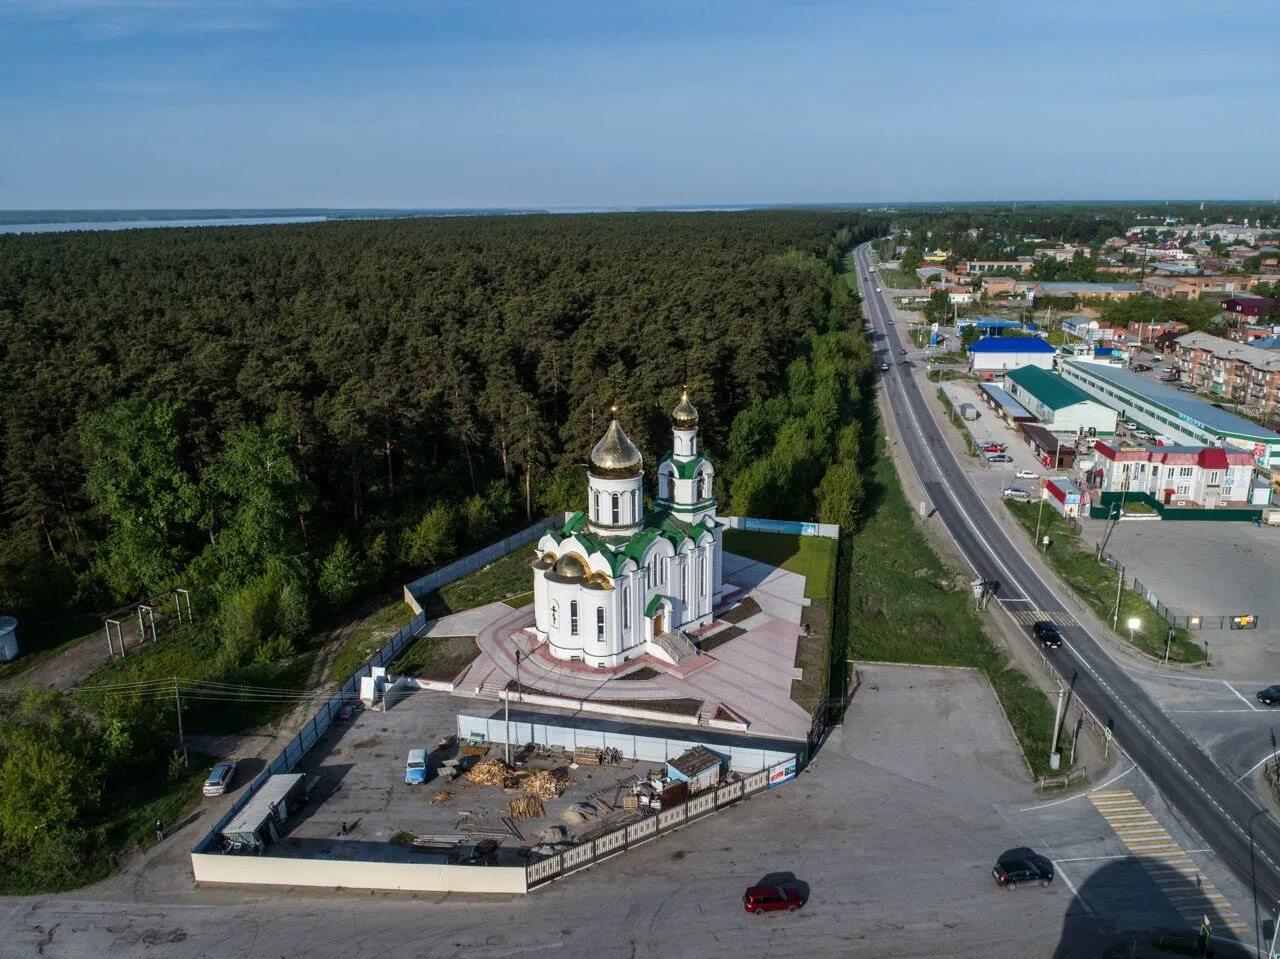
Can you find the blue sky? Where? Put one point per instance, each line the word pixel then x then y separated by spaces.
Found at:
pixel 274 103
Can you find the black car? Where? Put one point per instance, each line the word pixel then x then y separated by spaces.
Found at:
pixel 1048 633
pixel 1022 866
pixel 1270 696
pixel 902 352
pixel 1141 368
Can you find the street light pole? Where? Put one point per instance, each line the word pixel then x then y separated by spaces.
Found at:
pixel 1057 722
pixel 1168 641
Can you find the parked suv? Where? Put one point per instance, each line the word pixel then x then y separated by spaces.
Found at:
pixel 1270 696
pixel 762 899
pixel 1022 866
pixel 1048 633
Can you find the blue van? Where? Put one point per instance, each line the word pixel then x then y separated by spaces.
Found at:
pixel 415 768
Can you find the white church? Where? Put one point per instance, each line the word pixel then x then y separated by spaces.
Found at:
pixel 619 581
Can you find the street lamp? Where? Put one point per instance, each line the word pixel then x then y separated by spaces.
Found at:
pixel 1134 623
pixel 1168 641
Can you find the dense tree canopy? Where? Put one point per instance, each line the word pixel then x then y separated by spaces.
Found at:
pixel 208 405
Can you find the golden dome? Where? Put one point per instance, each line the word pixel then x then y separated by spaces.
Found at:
pixel 685 415
pixel 615 456
pixel 569 566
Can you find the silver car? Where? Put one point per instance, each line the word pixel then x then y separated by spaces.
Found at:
pixel 220 779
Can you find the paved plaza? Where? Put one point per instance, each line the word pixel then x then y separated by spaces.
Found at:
pixel 749 675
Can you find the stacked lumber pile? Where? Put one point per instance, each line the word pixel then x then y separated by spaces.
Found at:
pixel 526 807
pixel 545 784
pixel 587 756
pixel 490 772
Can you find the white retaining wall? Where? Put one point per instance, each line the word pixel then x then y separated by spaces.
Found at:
pixel 333 873
pixel 656 749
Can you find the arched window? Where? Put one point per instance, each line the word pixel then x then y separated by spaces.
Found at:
pixel 600 624
pixel 634 515
pixel 626 607
pixel 617 517
pixel 662 486
pixel 700 488
pixel 555 615
pixel 684 582
pixel 573 618
pixel 595 505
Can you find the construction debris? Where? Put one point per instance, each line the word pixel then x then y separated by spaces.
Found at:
pixel 490 772
pixel 442 796
pixel 545 784
pixel 526 807
pixel 580 813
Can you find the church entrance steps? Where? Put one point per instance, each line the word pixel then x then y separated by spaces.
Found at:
pixel 676 645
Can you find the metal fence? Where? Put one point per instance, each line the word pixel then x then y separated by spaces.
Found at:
pixel 1184 620
pixel 637 833
pixel 483 557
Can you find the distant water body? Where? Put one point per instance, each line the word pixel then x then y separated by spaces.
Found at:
pixel 149 224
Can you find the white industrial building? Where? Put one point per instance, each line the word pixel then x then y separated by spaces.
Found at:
pixel 1059 406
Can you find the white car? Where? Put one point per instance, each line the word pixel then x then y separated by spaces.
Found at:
pixel 878 290
pixel 1026 474
pixel 220 779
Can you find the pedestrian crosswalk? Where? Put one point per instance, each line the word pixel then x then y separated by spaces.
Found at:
pixel 1029 617
pixel 1175 873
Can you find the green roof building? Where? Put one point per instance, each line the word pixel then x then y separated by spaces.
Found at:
pixel 617 580
pixel 1060 406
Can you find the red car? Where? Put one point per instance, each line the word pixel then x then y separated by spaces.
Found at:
pixel 762 899
pixel 994 448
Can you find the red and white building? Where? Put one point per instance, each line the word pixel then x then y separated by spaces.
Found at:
pixel 1202 477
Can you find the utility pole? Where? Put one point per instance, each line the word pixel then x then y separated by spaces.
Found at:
pixel 182 739
pixel 1115 614
pixel 1054 758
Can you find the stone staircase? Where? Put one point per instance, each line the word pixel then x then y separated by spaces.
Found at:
pixel 676 645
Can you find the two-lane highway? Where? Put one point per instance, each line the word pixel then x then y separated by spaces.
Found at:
pixel 1240 830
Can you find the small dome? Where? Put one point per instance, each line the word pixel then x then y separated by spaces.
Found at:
pixel 570 566
pixel 685 415
pixel 615 456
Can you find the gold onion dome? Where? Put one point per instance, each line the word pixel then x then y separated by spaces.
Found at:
pixel 615 456
pixel 685 415
pixel 569 566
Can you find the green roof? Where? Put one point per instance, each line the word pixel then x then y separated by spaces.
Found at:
pixel 1049 388
pixel 654 603
pixel 657 523
pixel 684 468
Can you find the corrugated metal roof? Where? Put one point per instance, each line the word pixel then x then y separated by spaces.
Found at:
pixel 1049 388
pixel 1005 401
pixel 1011 344
pixel 1196 412
pixel 257 809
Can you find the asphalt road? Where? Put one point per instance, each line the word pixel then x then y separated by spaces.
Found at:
pixel 1226 815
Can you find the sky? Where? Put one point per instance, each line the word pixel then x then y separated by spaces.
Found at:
pixel 108 104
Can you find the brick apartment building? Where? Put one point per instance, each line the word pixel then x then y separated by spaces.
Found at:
pixel 1248 309
pixel 1245 374
pixel 1191 287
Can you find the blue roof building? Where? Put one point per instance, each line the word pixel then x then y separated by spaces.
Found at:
pixel 993 356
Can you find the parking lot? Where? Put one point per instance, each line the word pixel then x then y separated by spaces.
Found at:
pixel 1211 569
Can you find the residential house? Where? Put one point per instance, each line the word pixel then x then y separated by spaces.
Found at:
pixel 999 285
pixel 1201 477
pixel 1150 331
pixel 1245 374
pixel 1248 308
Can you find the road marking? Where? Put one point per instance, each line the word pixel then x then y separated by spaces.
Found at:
pixel 1265 759
pixel 1242 698
pixel 1175 873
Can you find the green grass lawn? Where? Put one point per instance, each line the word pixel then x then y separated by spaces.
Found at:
pixel 813 557
pixel 501 580
pixel 1096 585
pixel 897 279
pixel 369 637
pixel 906 606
